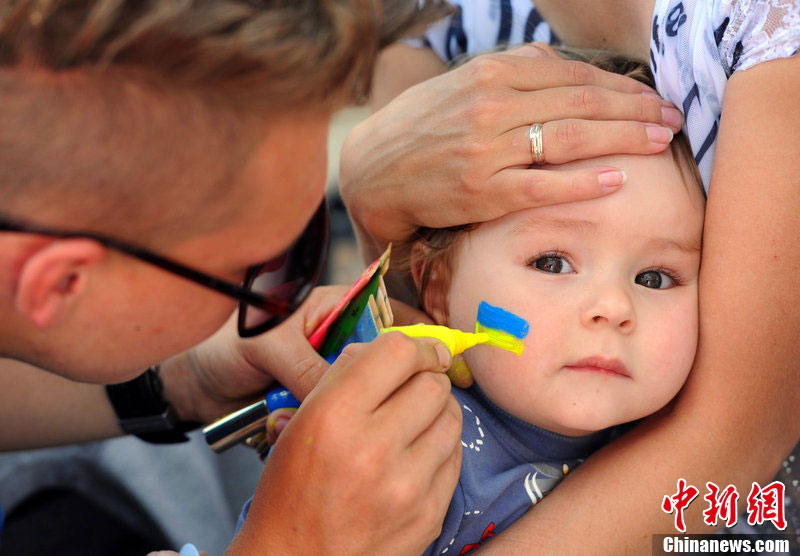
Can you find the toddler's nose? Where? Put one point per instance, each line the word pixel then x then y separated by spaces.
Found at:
pixel 610 306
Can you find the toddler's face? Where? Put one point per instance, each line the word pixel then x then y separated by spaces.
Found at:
pixel 609 288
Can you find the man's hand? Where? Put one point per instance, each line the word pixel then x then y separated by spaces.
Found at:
pixel 226 372
pixel 368 463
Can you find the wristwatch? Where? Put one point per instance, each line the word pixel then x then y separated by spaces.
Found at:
pixel 142 410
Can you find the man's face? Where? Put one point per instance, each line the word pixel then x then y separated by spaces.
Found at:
pixel 134 314
pixel 609 288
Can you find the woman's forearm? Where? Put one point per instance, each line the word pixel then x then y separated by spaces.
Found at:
pixel 737 416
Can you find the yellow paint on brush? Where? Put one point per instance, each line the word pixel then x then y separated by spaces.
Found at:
pixel 458 341
pixel 501 339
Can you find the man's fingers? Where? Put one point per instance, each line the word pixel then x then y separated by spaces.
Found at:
pixel 443 480
pixel 437 443
pixel 303 369
pixel 375 370
pixel 320 302
pixel 416 405
pixel 287 357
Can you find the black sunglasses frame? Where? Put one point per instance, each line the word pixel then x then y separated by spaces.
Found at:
pixel 282 309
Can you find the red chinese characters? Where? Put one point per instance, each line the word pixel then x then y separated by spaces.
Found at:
pixel 766 504
pixel 763 504
pixel 721 505
pixel 679 502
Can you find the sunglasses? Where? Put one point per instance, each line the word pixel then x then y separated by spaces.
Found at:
pixel 272 290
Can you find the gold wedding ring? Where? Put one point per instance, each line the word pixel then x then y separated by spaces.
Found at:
pixel 537 153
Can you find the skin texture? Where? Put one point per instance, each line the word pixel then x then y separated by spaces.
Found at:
pixel 592 306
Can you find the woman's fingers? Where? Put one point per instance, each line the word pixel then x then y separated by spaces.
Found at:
pixel 532 73
pixel 467 130
pixel 442 436
pixel 518 188
pixel 534 50
pixel 568 140
pixel 589 102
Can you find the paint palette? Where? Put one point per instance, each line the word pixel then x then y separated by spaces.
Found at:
pixel 359 316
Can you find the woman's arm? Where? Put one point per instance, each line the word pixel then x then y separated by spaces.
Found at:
pixel 737 416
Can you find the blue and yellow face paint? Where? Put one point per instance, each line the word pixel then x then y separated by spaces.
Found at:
pixel 505 329
pixel 495 327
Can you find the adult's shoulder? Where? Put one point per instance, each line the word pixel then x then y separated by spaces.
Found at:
pixel 749 32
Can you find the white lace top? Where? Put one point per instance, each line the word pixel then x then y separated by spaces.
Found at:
pixel 695 46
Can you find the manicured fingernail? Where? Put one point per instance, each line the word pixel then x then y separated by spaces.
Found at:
pixel 671 117
pixel 658 134
pixel 612 178
pixel 444 355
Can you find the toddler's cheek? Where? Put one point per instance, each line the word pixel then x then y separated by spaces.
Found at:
pixel 672 356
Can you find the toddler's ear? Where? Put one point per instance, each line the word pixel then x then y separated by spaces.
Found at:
pixel 432 282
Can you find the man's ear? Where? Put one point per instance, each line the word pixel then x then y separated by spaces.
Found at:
pixel 434 299
pixel 53 278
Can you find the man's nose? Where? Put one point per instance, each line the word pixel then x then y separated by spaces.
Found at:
pixel 609 305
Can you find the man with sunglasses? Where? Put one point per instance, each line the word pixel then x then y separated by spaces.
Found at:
pixel 154 155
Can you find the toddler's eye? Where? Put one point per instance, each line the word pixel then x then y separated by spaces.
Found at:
pixel 655 279
pixel 553 264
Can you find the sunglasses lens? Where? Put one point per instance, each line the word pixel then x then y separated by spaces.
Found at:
pixel 286 280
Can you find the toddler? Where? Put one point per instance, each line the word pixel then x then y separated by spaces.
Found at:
pixel 609 289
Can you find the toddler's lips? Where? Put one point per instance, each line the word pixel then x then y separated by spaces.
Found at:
pixel 600 365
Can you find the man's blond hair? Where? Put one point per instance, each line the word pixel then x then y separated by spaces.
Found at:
pixel 132 114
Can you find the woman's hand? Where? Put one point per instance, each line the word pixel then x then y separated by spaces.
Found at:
pixel 456 149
